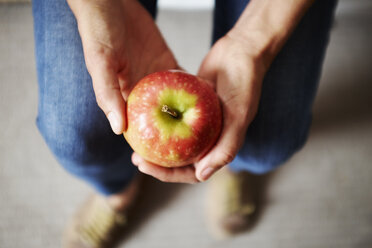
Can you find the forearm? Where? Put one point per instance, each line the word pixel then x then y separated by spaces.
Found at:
pixel 265 25
pixel 78 6
pixel 99 13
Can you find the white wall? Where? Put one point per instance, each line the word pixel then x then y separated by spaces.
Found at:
pixel 186 4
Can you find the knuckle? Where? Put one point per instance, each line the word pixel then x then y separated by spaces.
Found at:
pixel 100 99
pixel 141 169
pixel 226 158
pixel 101 56
pixel 194 181
pixel 162 176
pixel 164 179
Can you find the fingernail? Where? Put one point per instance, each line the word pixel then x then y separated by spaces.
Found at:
pixel 206 173
pixel 114 122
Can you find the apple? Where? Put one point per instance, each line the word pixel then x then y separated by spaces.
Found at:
pixel 173 118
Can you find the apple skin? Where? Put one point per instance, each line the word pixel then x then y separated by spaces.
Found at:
pixel 161 138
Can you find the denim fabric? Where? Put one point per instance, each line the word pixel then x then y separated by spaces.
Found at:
pixel 289 87
pixel 80 137
pixel 73 126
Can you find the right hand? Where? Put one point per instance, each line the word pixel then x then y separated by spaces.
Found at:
pixel 121 45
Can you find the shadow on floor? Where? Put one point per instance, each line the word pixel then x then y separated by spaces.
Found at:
pixel 259 185
pixel 155 195
pixel 346 101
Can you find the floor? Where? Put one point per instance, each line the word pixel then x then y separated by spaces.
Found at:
pixel 321 198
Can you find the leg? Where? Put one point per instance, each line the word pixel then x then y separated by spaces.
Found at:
pixel 76 130
pixel 284 116
pixel 282 122
pixel 73 126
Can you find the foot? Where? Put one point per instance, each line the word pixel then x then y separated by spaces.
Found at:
pixel 100 220
pixel 231 203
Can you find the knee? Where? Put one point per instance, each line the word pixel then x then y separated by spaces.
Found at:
pixel 86 147
pixel 78 142
pixel 64 141
pixel 260 157
pixel 269 159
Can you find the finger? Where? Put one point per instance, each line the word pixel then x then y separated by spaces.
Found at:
pixel 125 86
pixel 185 174
pixel 224 151
pixel 108 95
pixel 207 69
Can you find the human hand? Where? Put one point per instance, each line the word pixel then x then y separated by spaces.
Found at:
pixel 121 45
pixel 237 69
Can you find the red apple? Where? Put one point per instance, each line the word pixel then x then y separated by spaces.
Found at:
pixel 174 118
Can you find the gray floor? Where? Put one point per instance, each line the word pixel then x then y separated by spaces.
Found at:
pixel 320 198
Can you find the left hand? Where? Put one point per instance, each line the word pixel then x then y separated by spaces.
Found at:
pixel 237 70
pixel 121 44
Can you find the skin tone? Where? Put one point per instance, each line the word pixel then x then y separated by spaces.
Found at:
pixel 236 64
pixel 122 44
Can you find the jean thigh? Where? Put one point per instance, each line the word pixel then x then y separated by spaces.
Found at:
pixel 289 87
pixel 69 119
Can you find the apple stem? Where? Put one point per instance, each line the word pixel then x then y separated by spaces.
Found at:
pixel 168 110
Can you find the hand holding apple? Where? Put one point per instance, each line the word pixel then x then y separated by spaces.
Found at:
pixel 173 118
pixel 237 71
pixel 115 35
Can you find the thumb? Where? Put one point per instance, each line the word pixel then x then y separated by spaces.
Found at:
pixel 224 151
pixel 207 69
pixel 109 97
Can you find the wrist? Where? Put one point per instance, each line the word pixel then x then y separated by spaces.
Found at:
pixel 91 2
pixel 265 26
pixel 83 7
pixel 257 44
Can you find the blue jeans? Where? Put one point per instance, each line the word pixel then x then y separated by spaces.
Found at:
pixel 80 137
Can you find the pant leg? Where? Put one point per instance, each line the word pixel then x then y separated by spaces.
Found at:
pixel 69 119
pixel 289 87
